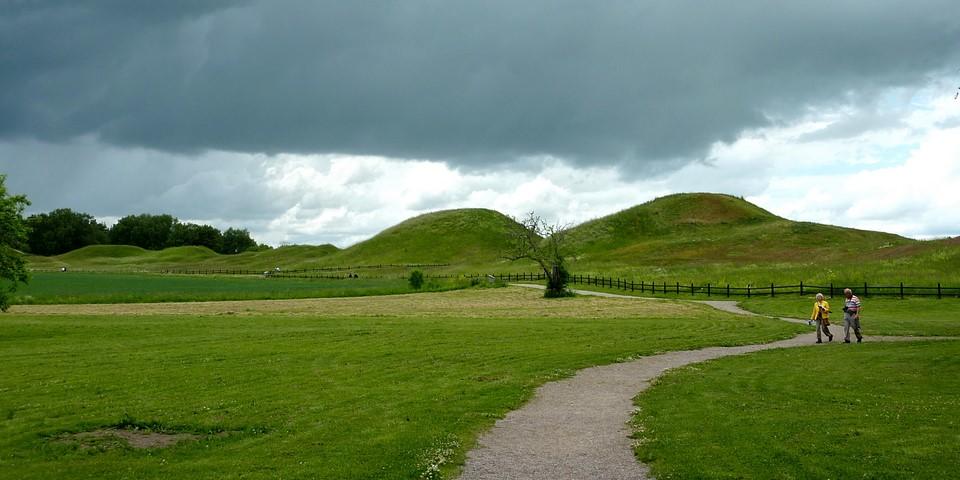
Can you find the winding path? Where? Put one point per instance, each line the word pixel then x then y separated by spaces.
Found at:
pixel 577 428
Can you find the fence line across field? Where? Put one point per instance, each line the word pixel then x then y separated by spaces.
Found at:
pixel 727 290
pixel 654 288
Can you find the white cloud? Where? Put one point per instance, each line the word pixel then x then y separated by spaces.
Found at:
pixel 894 168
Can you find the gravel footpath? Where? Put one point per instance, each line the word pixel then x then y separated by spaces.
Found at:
pixel 577 428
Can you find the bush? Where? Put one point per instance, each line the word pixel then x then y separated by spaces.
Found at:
pixel 551 293
pixel 416 279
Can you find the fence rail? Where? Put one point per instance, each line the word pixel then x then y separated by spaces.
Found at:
pixel 727 290
pixel 654 288
pixel 299 271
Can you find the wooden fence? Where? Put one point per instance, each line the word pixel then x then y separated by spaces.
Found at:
pixel 726 290
pixel 301 271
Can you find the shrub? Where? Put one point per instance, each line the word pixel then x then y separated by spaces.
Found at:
pixel 416 279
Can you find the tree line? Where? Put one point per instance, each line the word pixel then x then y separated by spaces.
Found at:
pixel 64 230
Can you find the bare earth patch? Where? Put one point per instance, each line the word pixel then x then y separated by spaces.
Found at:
pixel 511 302
pixel 106 438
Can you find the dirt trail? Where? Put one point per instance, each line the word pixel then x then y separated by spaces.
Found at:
pixel 577 427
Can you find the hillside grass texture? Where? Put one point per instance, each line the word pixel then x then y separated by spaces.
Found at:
pixel 841 411
pixel 85 287
pixel 396 387
pixel 700 238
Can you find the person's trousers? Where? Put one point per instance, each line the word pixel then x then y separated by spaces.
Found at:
pixel 849 322
pixel 825 328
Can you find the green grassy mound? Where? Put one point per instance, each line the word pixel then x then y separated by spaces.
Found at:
pixel 701 238
pixel 468 236
pixel 699 228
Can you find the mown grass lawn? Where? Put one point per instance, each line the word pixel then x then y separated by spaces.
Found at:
pixel 881 315
pixel 911 316
pixel 378 387
pixel 83 287
pixel 844 411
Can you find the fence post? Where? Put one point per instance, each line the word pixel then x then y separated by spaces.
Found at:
pixel 864 289
pixel 831 289
pixel 939 293
pixel 678 288
pixel 748 290
pixel 901 290
pixel 708 289
pixel 728 290
pixel 772 293
pixel 801 288
pixel 691 289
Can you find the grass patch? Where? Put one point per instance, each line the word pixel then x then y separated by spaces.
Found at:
pixel 867 411
pixel 77 287
pixel 881 316
pixel 344 388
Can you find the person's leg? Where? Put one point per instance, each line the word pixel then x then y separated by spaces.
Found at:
pixel 826 330
pixel 819 327
pixel 846 329
pixel 856 330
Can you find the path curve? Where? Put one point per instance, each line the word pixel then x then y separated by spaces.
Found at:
pixel 578 427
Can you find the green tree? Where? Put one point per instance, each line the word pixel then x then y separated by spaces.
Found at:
pixel 13 235
pixel 236 240
pixel 144 231
pixel 535 239
pixel 63 230
pixel 193 234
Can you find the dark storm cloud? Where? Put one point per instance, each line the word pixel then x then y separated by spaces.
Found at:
pixel 620 82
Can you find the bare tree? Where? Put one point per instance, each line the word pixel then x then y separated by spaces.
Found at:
pixel 544 243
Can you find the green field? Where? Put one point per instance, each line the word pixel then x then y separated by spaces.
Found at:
pixel 343 388
pixel 881 316
pixel 887 411
pixel 352 378
pixel 82 287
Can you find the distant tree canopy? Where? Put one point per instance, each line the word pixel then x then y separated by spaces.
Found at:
pixel 13 236
pixel 63 230
pixel 192 234
pixel 145 231
pixel 237 240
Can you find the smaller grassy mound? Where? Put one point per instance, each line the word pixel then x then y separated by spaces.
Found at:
pixel 127 258
pixel 101 252
pixel 472 236
pixel 842 411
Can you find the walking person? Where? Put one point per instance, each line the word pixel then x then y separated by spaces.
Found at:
pixel 821 314
pixel 851 316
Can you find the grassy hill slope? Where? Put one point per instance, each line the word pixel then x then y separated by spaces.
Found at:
pixel 471 237
pixel 698 228
pixel 685 237
pixel 125 257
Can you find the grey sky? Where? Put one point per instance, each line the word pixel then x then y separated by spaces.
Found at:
pixel 621 82
pixel 116 107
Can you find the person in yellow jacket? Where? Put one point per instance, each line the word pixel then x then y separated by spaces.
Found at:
pixel 821 315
